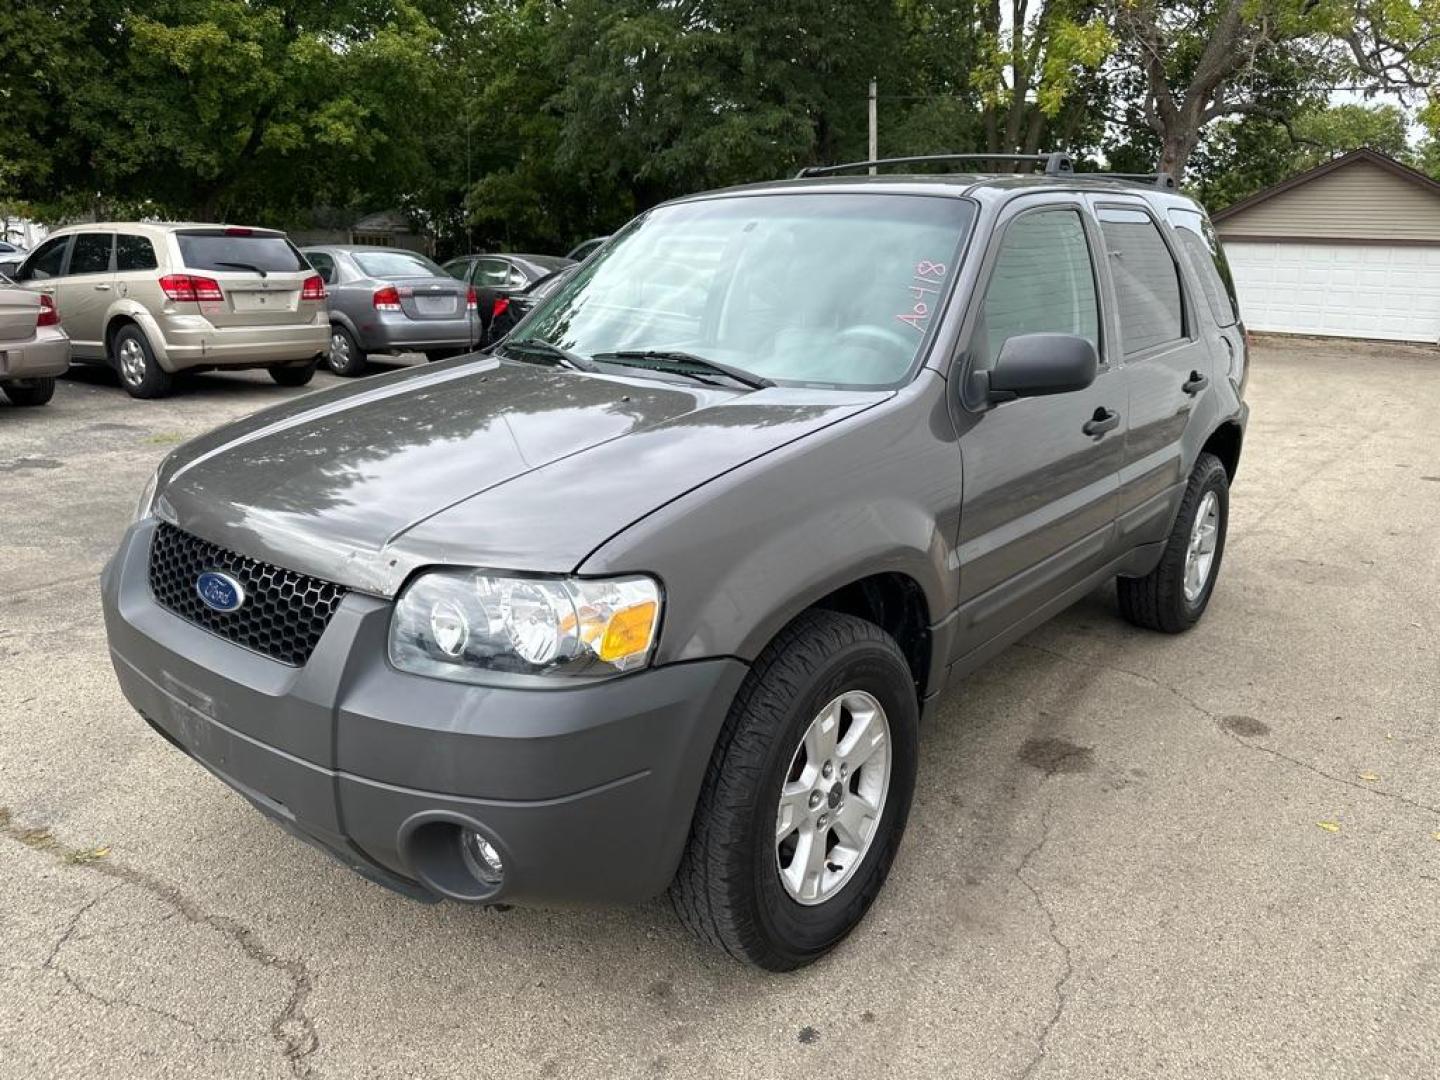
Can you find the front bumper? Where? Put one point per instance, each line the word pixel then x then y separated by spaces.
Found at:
pixel 44 356
pixel 586 792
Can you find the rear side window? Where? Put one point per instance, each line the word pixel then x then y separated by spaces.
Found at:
pixel 1201 249
pixel 134 253
pixel 221 250
pixel 1043 283
pixel 1147 281
pixel 324 265
pixel 396 264
pixel 91 254
pixel 492 272
pixel 47 260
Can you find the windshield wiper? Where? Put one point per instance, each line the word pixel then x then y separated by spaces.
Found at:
pixel 243 266
pixel 684 363
pixel 536 347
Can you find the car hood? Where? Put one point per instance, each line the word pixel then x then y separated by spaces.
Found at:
pixel 473 462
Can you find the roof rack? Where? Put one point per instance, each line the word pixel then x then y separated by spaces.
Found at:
pixel 1055 164
pixel 1155 179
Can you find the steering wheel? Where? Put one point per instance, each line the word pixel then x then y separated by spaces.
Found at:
pixel 876 338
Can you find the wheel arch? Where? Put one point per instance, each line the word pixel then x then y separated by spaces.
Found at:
pixel 129 313
pixel 1225 443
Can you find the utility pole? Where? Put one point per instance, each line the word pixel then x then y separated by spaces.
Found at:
pixel 874 129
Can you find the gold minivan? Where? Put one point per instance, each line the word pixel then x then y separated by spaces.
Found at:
pixel 151 300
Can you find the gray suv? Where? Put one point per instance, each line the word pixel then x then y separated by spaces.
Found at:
pixel 388 300
pixel 658 595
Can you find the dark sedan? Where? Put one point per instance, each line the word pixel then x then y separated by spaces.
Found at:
pixel 498 277
pixel 509 310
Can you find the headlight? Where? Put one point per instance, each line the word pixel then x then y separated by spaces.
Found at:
pixel 463 624
pixel 147 497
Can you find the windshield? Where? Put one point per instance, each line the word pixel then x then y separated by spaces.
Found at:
pixel 396 264
pixel 832 289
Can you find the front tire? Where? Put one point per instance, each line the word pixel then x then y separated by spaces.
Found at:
pixel 26 392
pixel 140 373
pixel 293 374
pixel 1173 596
pixel 345 357
pixel 806 795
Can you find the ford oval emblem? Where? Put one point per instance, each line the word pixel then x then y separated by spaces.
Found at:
pixel 220 592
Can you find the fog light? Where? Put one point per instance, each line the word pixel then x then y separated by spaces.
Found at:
pixel 481 858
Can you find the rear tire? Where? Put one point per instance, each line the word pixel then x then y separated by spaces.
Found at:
pixel 1173 596
pixel 140 373
pixel 745 882
pixel 293 374
pixel 27 392
pixel 345 357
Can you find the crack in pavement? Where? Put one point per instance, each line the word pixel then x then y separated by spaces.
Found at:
pixel 1042 1042
pixel 291 1028
pixel 1369 789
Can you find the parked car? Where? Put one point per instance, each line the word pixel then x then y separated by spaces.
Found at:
pixel 583 250
pixel 152 300
pixel 498 277
pixel 389 300
pixel 33 347
pixel 506 311
pixel 657 595
pixel 12 252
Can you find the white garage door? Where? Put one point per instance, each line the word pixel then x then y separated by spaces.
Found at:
pixel 1346 290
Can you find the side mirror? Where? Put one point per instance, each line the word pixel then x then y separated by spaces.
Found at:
pixel 1032 365
pixel 10 267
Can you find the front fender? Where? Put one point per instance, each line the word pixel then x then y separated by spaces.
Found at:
pixel 744 554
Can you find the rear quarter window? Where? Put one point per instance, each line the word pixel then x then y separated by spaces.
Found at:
pixel 224 251
pixel 1200 247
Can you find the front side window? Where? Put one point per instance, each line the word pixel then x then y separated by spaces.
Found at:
pixel 1043 283
pixel 91 254
pixel 835 290
pixel 491 273
pixel 1201 249
pixel 47 260
pixel 134 253
pixel 1147 281
pixel 392 265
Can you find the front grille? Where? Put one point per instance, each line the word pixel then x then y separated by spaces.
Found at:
pixel 284 613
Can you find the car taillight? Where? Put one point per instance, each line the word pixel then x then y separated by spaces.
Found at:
pixel 48 315
pixel 502 304
pixel 313 289
pixel 190 287
pixel 472 302
pixel 387 299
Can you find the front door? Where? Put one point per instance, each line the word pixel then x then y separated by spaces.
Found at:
pixel 1040 474
pixel 1166 358
pixel 84 293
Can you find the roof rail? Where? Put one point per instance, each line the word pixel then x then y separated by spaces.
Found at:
pixel 1055 164
pixel 1154 179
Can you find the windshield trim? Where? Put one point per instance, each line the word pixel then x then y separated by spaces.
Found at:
pixel 923 352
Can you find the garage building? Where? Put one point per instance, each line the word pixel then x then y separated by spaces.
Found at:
pixel 1350 248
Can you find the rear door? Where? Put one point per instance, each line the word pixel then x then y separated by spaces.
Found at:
pixel 1167 360
pixel 259 272
pixel 83 294
pixel 1039 491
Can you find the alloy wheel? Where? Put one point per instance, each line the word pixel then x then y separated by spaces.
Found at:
pixel 1200 555
pixel 833 797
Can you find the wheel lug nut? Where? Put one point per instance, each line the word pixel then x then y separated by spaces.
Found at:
pixel 824 820
pixel 814 799
pixel 844 770
pixel 827 770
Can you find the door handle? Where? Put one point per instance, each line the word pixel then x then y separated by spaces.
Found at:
pixel 1195 383
pixel 102 288
pixel 1104 420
